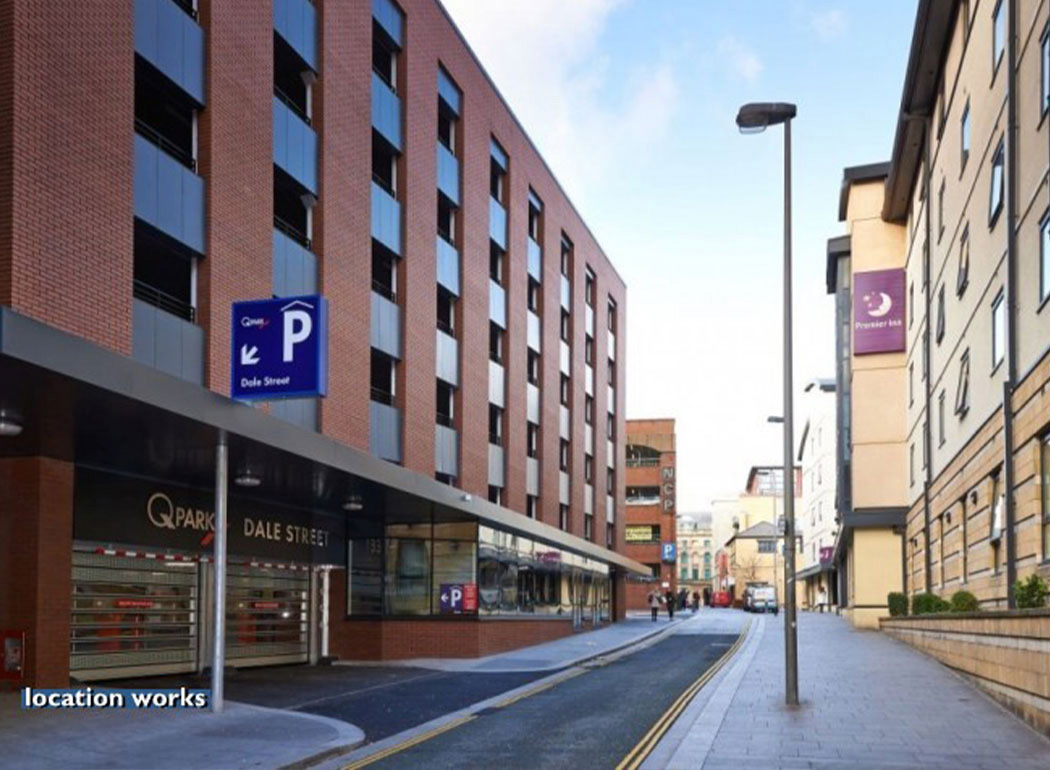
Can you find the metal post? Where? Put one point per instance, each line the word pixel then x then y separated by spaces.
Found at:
pixel 790 631
pixel 218 660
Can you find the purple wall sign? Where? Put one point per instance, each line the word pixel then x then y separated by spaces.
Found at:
pixel 878 312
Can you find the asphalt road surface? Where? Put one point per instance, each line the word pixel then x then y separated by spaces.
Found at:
pixel 590 721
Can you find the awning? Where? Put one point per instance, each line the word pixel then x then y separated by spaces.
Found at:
pixel 816 569
pixel 84 404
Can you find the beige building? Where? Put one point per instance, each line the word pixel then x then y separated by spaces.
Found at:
pixel 696 552
pixel 817 517
pixel 755 556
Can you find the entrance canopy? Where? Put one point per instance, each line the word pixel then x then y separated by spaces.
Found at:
pixel 90 406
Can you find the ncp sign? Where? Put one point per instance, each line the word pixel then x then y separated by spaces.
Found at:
pixel 280 348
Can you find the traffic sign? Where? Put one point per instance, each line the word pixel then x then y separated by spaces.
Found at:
pixel 668 552
pixel 280 348
pixel 458 597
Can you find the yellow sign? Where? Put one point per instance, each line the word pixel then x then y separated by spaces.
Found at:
pixel 641 534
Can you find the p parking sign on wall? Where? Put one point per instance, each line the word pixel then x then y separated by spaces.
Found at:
pixel 280 348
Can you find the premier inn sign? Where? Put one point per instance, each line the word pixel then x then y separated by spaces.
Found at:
pixel 111 508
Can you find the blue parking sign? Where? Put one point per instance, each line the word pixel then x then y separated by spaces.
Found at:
pixel 668 552
pixel 280 348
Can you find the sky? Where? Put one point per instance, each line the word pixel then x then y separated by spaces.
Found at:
pixel 632 104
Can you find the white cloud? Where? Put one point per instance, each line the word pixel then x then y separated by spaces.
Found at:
pixel 584 119
pixel 742 61
pixel 829 24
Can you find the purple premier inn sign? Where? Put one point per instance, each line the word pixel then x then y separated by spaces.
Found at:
pixel 878 312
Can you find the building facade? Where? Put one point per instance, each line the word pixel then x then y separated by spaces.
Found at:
pixel 164 159
pixel 650 477
pixel 965 196
pixel 696 552
pixel 818 515
pixel 755 557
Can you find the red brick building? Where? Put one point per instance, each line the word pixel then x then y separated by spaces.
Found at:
pixel 650 535
pixel 163 159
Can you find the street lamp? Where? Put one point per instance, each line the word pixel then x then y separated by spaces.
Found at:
pixel 753 118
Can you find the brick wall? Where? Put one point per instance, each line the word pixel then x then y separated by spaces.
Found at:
pixel 1004 653
pixel 66 166
pixel 36 530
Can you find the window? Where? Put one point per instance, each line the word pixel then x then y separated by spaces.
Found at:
pixel 535 217
pixel 925 445
pixel 1044 79
pixel 964 136
pixel 998 330
pixel 610 481
pixel 563 516
pixel 565 327
pixel 530 506
pixel 643 495
pixel 611 320
pixel 940 210
pixel 940 419
pixel 610 427
pixel 588 526
pixel 964 546
pixel 588 410
pixel 534 367
pixel 962 279
pixel 942 106
pixel 498 175
pixel 998 35
pixel 446 311
pixel 445 399
pixel 566 256
pixel 495 425
pixel 767 546
pixel 563 455
pixel 964 14
pixel 995 192
pixel 995 532
pixel 1044 469
pixel 911 303
pixel 534 296
pixel 962 391
pixel 446 219
pixel 1044 257
pixel 495 343
pixel 384 55
pixel 588 288
pixel 911 383
pixel 610 535
pixel 940 315
pixel 496 259
pixel 384 165
pixel 588 469
pixel 911 465
pixel 564 390
pixel 496 495
pixel 384 273
pixel 383 382
pixel 588 350
pixel 532 439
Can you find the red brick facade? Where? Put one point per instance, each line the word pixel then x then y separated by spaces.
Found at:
pixel 66 250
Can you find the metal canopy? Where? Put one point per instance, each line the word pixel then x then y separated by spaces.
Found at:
pixel 88 405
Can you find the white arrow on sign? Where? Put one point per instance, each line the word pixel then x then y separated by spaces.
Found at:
pixel 249 355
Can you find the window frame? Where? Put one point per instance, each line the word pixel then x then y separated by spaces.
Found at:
pixel 964 137
pixel 962 278
pixel 1044 256
pixel 962 389
pixel 998 306
pixel 998 42
pixel 939 332
pixel 1044 472
pixel 996 191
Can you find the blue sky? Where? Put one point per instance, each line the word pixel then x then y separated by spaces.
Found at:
pixel 632 104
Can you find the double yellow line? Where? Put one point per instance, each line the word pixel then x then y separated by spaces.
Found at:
pixel 644 747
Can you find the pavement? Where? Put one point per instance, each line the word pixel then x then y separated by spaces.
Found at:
pixel 867 701
pixel 242 736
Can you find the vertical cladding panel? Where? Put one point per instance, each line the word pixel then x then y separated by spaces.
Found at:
pixel 342 221
pixel 70 152
pixel 236 161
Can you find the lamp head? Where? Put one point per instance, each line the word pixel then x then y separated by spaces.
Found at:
pixel 754 117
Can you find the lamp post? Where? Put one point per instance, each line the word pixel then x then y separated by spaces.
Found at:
pixel 753 118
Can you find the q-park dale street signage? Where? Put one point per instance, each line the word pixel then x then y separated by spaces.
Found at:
pixel 280 348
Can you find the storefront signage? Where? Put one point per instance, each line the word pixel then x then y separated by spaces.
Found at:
pixel 878 312
pixel 459 597
pixel 639 533
pixel 668 552
pixel 111 508
pixel 280 348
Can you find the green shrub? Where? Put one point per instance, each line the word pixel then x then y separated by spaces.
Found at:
pixel 1031 593
pixel 927 604
pixel 898 604
pixel 964 601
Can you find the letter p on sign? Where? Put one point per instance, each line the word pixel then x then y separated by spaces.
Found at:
pixel 297 328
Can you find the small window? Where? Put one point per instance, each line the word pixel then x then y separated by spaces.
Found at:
pixel 588 526
pixel 964 14
pixel 495 343
pixel 588 350
pixel 532 439
pixel 612 316
pixel 998 35
pixel 383 378
pixel 566 256
pixel 767 546
pixel 940 210
pixel 610 481
pixel 588 294
pixel 496 260
pixel 998 330
pixel 1044 79
pixel 962 391
pixel 534 296
pixel 564 390
pixel 446 311
pixel 1044 257
pixel 563 455
pixel 942 105
pixel 964 135
pixel 563 517
pixel 610 426
pixel 384 273
pixel 535 217
pixel 995 192
pixel 1044 469
pixel 495 425
pixel 998 506
pixel 445 402
pixel 496 495
pixel 940 315
pixel 940 420
pixel 962 278
pixel 911 383
pixel 588 469
pixel 534 367
pixel 911 303
pixel 588 410
pixel 911 465
pixel 565 327
pixel 530 506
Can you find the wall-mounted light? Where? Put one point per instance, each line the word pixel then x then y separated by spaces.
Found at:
pixel 353 503
pixel 247 479
pixel 10 425
pixel 973 497
pixel 466 498
pixel 948 517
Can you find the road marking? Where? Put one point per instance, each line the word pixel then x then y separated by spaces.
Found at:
pixel 410 743
pixel 644 747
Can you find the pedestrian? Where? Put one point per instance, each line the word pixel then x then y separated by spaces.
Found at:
pixel 654 603
pixel 669 598
pixel 696 600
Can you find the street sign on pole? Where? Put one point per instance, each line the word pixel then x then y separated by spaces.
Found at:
pixel 280 348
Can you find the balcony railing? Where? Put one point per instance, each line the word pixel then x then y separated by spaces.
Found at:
pixel 293 105
pixel 166 302
pixel 383 290
pixel 292 232
pixel 173 149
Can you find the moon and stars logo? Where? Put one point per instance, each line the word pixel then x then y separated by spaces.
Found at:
pixel 877 304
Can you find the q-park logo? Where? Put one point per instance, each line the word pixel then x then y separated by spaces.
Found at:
pixel 877 304
pixel 248 322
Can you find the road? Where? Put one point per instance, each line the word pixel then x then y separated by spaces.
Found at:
pixel 589 721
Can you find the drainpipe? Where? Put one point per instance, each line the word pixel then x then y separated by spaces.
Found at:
pixel 1010 299
pixel 927 338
